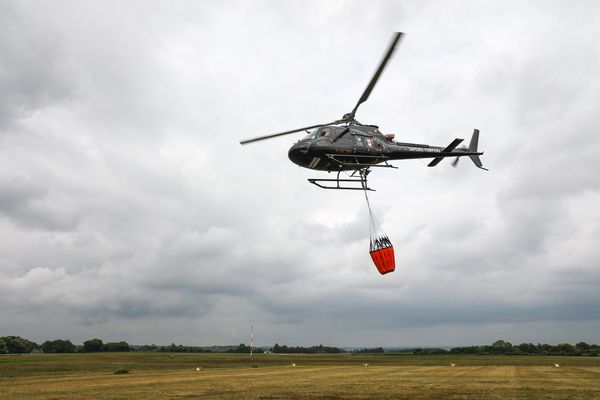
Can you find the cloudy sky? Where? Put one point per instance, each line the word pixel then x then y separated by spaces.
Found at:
pixel 129 211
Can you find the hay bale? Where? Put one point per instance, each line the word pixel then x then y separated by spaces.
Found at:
pixel 120 371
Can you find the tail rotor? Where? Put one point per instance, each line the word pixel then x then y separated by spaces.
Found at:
pixel 473 149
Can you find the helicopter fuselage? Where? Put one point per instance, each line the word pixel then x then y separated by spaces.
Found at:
pixel 338 148
pixel 347 145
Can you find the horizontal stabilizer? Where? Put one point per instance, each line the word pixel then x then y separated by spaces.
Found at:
pixel 448 149
pixel 477 161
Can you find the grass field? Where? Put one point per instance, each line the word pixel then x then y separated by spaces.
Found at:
pixel 230 376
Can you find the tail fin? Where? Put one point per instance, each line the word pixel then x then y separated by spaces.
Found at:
pixel 473 148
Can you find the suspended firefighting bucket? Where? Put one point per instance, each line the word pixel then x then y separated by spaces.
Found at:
pixel 380 247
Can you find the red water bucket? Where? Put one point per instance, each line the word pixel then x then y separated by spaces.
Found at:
pixel 384 259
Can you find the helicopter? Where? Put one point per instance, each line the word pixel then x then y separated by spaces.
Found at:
pixel 347 145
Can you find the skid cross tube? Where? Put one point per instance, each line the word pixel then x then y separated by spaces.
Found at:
pixel 357 165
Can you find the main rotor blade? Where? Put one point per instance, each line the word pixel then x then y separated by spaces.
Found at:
pixel 256 139
pixel 384 61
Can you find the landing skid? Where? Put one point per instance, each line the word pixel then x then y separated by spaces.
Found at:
pixel 358 183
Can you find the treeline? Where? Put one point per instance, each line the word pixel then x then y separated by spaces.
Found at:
pixel 428 351
pixel 97 346
pixel 242 348
pixel 173 348
pixel 308 350
pixel 369 351
pixel 18 345
pixel 507 348
pixel 502 347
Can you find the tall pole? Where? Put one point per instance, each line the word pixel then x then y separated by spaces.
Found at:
pixel 252 346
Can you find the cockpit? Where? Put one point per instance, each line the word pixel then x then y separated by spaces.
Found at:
pixel 325 132
pixel 311 136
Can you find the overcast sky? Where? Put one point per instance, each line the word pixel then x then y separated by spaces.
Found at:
pixel 129 211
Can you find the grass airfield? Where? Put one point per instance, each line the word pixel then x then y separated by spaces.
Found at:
pixel 230 376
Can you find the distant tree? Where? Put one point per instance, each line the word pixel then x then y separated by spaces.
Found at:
pixel 116 347
pixel 58 346
pixel 501 344
pixel 528 348
pixel 583 346
pixel 243 348
pixel 173 348
pixel 566 349
pixel 92 346
pixel 467 350
pixel 373 350
pixel 428 351
pixel 17 345
pixel 3 348
pixel 280 349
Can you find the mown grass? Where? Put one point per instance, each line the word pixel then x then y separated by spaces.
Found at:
pixel 230 376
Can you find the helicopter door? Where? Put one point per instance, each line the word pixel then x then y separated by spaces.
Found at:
pixel 364 143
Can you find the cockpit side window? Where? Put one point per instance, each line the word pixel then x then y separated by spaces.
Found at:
pixel 311 135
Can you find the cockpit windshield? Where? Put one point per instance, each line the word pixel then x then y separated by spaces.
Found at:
pixel 311 135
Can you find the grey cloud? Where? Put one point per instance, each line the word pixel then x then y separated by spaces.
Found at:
pixel 35 66
pixel 128 208
pixel 33 205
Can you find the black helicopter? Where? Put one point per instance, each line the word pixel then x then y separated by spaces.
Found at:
pixel 348 145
